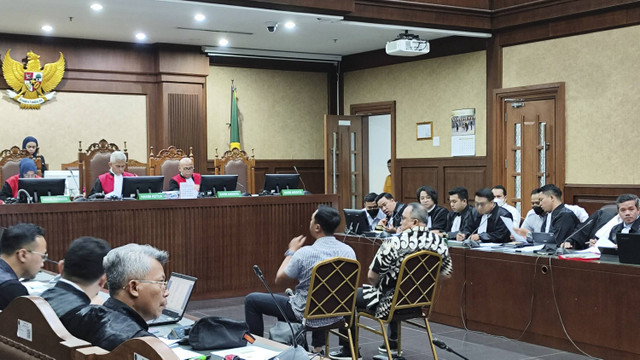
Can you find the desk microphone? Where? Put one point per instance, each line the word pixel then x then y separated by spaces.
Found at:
pixel 28 197
pixel 74 180
pixel 442 345
pixel 300 176
pixel 579 229
pixel 295 352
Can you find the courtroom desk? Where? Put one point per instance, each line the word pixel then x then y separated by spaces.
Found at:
pixel 216 240
pixel 599 302
pixel 446 307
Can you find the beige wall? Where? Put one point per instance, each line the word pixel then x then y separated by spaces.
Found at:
pixel 425 91
pixel 602 75
pixel 281 112
pixel 71 117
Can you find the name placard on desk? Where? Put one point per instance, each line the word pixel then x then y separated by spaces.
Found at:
pixel 229 194
pixel 151 196
pixel 54 199
pixel 291 192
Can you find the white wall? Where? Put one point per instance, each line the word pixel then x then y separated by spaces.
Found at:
pixel 379 151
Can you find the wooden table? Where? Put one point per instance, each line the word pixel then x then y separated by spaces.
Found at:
pixel 216 240
pixel 504 294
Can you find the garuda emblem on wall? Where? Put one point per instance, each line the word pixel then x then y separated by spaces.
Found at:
pixel 32 86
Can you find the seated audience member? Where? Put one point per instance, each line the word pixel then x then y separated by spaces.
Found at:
pixel 384 270
pixel 597 226
pixel 559 220
pixel 138 290
pixel 437 218
pixel 23 250
pixel 110 183
pixel 392 209
pixel 82 277
pixel 297 265
pixel 534 218
pixel 374 214
pixel 500 198
pixel 487 226
pixel 31 145
pixel 185 175
pixel 461 213
pixel 386 188
pixel 27 170
pixel 629 211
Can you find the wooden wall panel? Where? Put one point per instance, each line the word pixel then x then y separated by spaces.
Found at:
pixel 186 125
pixel 442 174
pixel 216 240
pixel 593 197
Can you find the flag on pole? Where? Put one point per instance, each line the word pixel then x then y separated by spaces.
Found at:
pixel 234 141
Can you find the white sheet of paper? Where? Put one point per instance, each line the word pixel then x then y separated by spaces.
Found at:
pixel 184 353
pixel 249 352
pixel 188 191
pixel 509 224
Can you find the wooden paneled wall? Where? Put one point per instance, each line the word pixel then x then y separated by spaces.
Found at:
pixel 442 174
pixel 593 197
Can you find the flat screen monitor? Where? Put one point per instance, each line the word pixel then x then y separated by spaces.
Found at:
pixel 277 182
pixel 39 187
pixel 72 178
pixel 356 220
pixel 133 185
pixel 211 184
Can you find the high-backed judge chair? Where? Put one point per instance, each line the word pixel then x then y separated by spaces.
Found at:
pixel 150 348
pixel 237 162
pixel 10 162
pixel 93 162
pixel 165 163
pixel 31 330
pixel 70 166
pixel 332 293
pixel 413 298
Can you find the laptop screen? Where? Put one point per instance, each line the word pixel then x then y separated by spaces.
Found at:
pixel 180 287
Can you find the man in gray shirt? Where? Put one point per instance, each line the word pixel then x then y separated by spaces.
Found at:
pixel 297 265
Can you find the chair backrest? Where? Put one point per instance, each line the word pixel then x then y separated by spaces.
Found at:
pixel 166 163
pixel 150 348
pixel 70 166
pixel 137 167
pixel 31 330
pixel 332 289
pixel 93 162
pixel 417 281
pixel 10 162
pixel 237 162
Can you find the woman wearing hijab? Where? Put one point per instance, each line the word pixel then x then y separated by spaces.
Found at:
pixel 27 170
pixel 31 145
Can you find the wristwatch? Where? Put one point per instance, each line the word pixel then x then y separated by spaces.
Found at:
pixel 289 252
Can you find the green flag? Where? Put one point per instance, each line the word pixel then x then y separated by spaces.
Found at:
pixel 235 128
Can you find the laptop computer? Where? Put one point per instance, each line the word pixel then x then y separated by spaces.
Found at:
pixel 628 248
pixel 540 238
pixel 180 287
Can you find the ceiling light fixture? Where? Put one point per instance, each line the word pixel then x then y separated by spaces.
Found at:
pixel 199 17
pixel 289 24
pixel 47 28
pixel 96 7
pixel 223 42
pixel 141 36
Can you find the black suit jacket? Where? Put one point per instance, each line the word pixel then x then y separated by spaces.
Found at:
pixel 396 218
pixel 467 216
pixel 563 222
pixel 599 219
pixel 438 217
pixel 496 229
pixel 65 298
pixel 635 228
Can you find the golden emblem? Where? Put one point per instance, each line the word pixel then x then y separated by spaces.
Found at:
pixel 32 86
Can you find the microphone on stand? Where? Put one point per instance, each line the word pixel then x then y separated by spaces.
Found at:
pixel 295 352
pixel 302 181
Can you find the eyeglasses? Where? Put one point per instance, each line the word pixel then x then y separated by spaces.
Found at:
pixel 44 256
pixel 163 284
pixel 188 168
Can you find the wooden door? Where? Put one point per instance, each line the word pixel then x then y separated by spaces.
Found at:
pixel 343 159
pixel 530 159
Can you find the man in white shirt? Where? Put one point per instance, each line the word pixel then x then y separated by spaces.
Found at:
pixel 374 213
pixel 500 198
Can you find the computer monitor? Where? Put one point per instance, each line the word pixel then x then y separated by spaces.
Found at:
pixel 356 220
pixel 72 180
pixel 211 184
pixel 39 187
pixel 277 182
pixel 133 185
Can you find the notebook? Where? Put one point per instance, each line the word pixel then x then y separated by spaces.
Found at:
pixel 628 248
pixel 180 287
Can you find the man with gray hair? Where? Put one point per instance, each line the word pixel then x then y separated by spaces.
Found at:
pixel 110 183
pixel 138 289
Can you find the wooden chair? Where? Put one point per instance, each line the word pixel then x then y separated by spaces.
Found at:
pixel 332 293
pixel 237 162
pixel 70 166
pixel 31 330
pixel 150 348
pixel 93 162
pixel 137 167
pixel 10 162
pixel 166 163
pixel 413 297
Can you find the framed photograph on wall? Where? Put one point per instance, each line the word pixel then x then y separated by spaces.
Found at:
pixel 424 130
